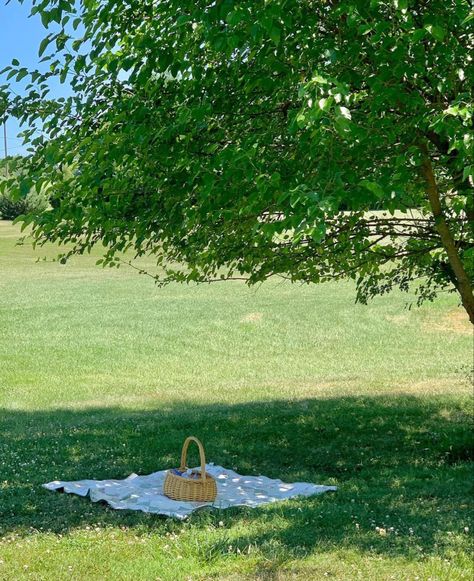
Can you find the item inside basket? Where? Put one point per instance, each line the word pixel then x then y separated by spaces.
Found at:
pixel 191 474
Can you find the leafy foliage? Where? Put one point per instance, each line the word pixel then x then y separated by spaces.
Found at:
pixel 253 139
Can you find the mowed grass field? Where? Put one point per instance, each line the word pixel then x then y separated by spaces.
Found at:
pixel 103 374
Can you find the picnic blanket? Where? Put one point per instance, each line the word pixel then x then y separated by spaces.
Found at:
pixel 145 493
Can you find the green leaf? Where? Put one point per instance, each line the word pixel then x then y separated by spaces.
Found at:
pixel 275 34
pixel 319 80
pixel 468 171
pixel 418 34
pixel 318 232
pixel 21 74
pixel 18 219
pixel 44 44
pixel 436 31
pixel 55 14
pixel 45 18
pixel 373 187
pixel 63 75
pixel 165 58
pixel 401 4
pixel 25 187
pixel 183 19
pixel 79 63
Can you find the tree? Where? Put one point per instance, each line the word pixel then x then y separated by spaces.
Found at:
pixel 308 139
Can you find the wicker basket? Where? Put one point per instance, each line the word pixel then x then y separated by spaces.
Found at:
pixel 202 489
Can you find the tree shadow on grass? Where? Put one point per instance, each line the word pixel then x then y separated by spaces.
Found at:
pixel 403 466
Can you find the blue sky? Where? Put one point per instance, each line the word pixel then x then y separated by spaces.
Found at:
pixel 20 37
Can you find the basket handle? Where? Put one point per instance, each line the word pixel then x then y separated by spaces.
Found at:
pixel 202 457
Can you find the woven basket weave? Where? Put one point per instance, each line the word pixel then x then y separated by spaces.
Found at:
pixel 202 489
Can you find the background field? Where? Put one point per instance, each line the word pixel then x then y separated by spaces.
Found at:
pixel 102 374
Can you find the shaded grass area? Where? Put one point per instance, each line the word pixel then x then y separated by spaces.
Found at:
pixel 403 465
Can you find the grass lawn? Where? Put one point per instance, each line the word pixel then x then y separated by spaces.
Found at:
pixel 103 374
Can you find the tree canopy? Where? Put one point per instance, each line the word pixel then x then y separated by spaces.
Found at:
pixel 308 139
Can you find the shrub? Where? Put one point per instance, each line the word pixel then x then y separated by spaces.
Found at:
pixel 11 209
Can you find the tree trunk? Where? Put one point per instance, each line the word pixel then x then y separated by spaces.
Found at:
pixel 463 283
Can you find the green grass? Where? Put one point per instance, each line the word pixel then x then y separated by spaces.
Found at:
pixel 102 374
